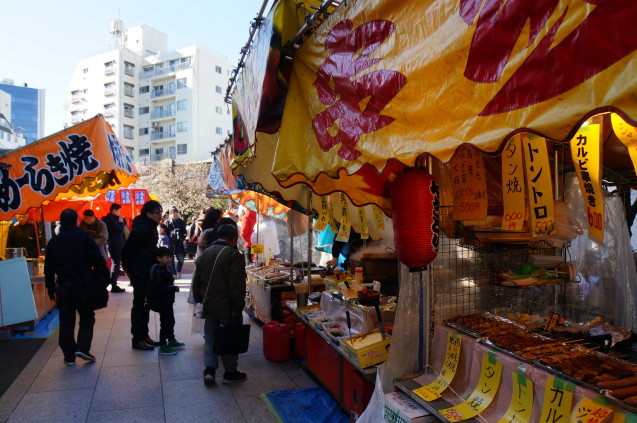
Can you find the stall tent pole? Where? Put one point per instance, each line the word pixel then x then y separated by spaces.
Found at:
pixel 309 240
pixel 291 257
pixel 256 201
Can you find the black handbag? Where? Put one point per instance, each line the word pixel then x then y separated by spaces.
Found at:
pixel 93 292
pixel 231 339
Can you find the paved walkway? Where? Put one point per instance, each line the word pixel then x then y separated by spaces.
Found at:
pixel 126 385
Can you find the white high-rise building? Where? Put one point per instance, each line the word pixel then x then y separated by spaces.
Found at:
pixel 160 104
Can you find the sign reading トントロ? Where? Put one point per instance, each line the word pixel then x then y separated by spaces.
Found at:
pixel 539 186
pixel 521 405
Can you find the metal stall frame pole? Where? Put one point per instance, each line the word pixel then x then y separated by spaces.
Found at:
pixel 427 301
pixel 291 257
pixel 309 241
pixel 256 202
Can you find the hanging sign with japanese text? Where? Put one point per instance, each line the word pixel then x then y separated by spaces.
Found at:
pixel 586 154
pixel 521 405
pixel 482 395
pixel 432 391
pixel 257 249
pixel 627 134
pixel 344 230
pixel 363 219
pixel 513 189
pixel 589 411
pixel 539 186
pixel 324 216
pixel 469 185
pixel 379 220
pixel 558 398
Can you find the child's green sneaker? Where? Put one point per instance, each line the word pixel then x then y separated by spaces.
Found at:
pixel 166 350
pixel 173 343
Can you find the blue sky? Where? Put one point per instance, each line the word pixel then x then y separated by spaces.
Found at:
pixel 41 41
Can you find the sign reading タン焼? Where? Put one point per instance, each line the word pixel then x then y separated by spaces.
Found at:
pixel 586 154
pixel 539 187
pixel 469 185
pixel 513 188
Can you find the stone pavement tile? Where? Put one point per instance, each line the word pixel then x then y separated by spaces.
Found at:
pixel 104 320
pixel 13 395
pixel 255 347
pixel 119 352
pixel 187 364
pixel 137 415
pixel 127 387
pixel 57 376
pixel 53 407
pixel 263 376
pixel 42 356
pixel 100 340
pixel 254 409
pixel 192 401
pixel 300 378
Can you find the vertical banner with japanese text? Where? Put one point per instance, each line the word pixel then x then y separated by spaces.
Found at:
pixel 521 405
pixel 586 154
pixel 558 398
pixel 324 216
pixel 627 134
pixel 379 220
pixel 469 185
pixel 363 219
pixel 513 189
pixel 432 391
pixel 482 395
pixel 343 232
pixel 539 186
pixel 590 411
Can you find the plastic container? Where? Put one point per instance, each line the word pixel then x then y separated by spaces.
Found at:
pixel 276 342
pixel 358 275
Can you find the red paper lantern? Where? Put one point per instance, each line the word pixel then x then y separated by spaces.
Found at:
pixel 415 198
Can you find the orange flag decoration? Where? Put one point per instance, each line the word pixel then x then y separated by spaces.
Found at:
pixel 85 159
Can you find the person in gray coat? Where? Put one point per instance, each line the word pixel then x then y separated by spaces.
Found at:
pixel 219 282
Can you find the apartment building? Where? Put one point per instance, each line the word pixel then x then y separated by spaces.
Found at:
pixel 161 104
pixel 9 139
pixel 26 109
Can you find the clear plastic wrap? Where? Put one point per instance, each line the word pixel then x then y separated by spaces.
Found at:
pixel 608 282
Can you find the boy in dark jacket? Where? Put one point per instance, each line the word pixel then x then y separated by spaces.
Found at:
pixel 160 298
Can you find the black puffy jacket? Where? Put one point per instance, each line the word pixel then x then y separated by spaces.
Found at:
pixel 138 254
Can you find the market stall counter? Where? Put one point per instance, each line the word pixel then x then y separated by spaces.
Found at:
pixel 472 380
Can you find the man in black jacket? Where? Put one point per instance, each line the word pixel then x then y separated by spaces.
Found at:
pixel 177 231
pixel 115 224
pixel 71 255
pixel 138 255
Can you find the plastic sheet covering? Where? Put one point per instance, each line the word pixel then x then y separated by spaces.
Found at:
pixel 403 354
pixel 608 286
pixel 335 309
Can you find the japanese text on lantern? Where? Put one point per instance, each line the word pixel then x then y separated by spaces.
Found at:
pixel 558 397
pixel 521 405
pixel 344 230
pixel 586 152
pixel 482 395
pixel 432 391
pixel 339 88
pixel 513 188
pixel 588 411
pixel 469 185
pixel 627 134
pixel 539 186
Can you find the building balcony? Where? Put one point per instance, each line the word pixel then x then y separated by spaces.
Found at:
pixel 160 157
pixel 76 99
pixel 110 91
pixel 161 93
pixel 161 136
pixel 162 115
pixel 109 113
pixel 165 70
pixel 109 70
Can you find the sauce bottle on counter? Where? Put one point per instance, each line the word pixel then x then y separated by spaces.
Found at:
pixel 41 262
pixel 358 275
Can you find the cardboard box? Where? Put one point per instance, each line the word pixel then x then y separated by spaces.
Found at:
pixel 399 408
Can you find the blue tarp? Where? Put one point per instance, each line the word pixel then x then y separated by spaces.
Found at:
pixel 312 405
pixel 44 328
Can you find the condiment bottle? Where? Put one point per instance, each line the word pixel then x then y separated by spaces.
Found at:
pixel 358 275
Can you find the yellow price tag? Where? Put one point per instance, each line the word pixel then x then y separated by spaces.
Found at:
pixel 513 189
pixel 482 395
pixel 521 404
pixel 432 391
pixel 589 411
pixel 539 186
pixel 379 220
pixel 257 249
pixel 558 398
pixel 363 220
pixel 324 216
pixel 343 233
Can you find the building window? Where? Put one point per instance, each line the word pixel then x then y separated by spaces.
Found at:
pixel 219 131
pixel 182 148
pixel 128 89
pixel 181 83
pixel 182 105
pixel 128 131
pixel 144 110
pixel 218 110
pixel 109 67
pixel 85 70
pixel 128 110
pixel 144 89
pixel 129 68
pixel 218 89
pixel 144 151
pixel 182 126
pixel 109 106
pixel 218 69
pixel 143 131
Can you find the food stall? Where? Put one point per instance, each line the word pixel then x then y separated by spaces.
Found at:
pixel 528 130
pixel 84 160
